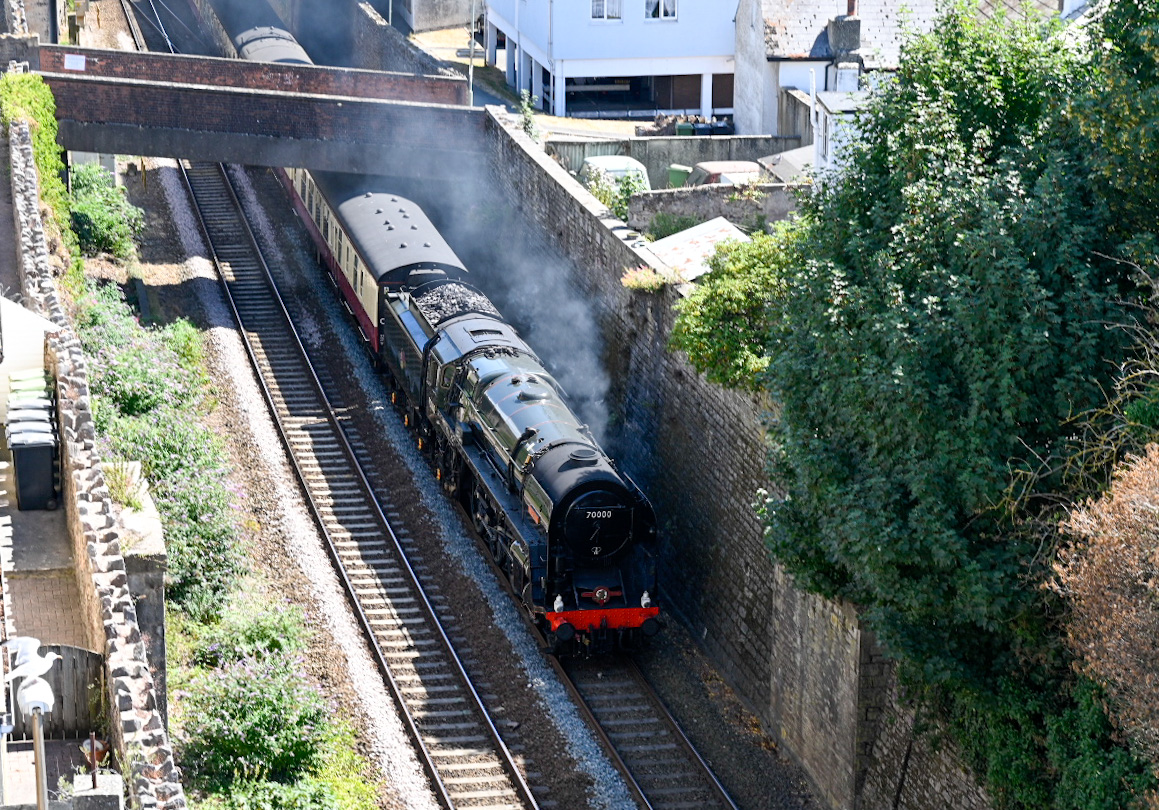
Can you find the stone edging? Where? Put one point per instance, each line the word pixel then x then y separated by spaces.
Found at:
pixel 139 737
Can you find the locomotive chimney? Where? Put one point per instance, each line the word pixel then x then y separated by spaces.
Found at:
pixel 851 7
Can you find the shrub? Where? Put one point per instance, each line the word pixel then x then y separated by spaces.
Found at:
pixel 103 320
pixel 665 224
pixel 344 771
pixel 104 220
pixel 146 408
pixel 25 97
pixel 184 340
pixel 612 193
pixel 307 794
pixel 250 627
pixel 1108 574
pixel 136 380
pixel 527 104
pixel 723 324
pixel 252 720
pixel 205 554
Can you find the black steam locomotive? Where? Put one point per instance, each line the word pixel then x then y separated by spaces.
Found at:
pixel 574 535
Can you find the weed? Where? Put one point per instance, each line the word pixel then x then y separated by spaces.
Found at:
pixel 645 279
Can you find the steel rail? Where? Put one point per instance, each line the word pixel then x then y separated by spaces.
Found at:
pixel 506 759
pixel 674 726
pixel 638 791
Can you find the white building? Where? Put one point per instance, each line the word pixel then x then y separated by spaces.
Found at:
pixel 672 56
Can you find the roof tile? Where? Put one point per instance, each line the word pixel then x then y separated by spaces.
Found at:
pixel 798 29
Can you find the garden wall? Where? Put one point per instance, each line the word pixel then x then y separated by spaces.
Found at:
pixel 749 207
pixel 656 153
pixel 805 665
pixel 136 721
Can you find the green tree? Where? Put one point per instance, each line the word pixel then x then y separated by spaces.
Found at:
pixel 1121 114
pixel 722 325
pixel 945 321
pixel 933 322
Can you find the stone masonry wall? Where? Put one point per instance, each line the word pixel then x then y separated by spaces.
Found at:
pixel 19 49
pixel 378 46
pixel 750 207
pixel 804 664
pixel 136 724
pixel 15 18
pixel 910 772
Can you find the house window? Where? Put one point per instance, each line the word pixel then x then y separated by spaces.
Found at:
pixel 606 9
pixel 660 9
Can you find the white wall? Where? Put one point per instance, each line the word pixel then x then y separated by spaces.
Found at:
pixel 758 82
pixel 564 30
pixel 749 77
pixel 834 131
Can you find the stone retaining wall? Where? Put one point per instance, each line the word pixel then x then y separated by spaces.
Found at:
pixel 136 723
pixel 805 665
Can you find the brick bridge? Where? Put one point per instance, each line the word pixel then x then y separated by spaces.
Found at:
pixel 225 110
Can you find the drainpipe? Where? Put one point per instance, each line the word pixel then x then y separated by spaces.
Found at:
pixel 550 50
pixel 471 66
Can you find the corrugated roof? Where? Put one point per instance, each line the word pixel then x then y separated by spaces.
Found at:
pixel 798 29
pixel 688 251
pixel 1016 9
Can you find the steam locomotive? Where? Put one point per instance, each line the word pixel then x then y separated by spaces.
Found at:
pixel 574 535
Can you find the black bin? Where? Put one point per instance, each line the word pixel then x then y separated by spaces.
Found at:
pixel 702 129
pixel 33 465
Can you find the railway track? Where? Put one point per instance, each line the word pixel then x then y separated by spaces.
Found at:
pixel 662 767
pixel 465 757
pixel 468 762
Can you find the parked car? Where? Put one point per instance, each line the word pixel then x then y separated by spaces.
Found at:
pixel 618 167
pixel 727 172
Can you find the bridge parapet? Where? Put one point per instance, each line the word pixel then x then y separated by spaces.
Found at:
pixel 265 128
pixel 226 110
pixel 206 70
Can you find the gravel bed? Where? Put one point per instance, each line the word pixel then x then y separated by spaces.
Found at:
pixel 282 539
